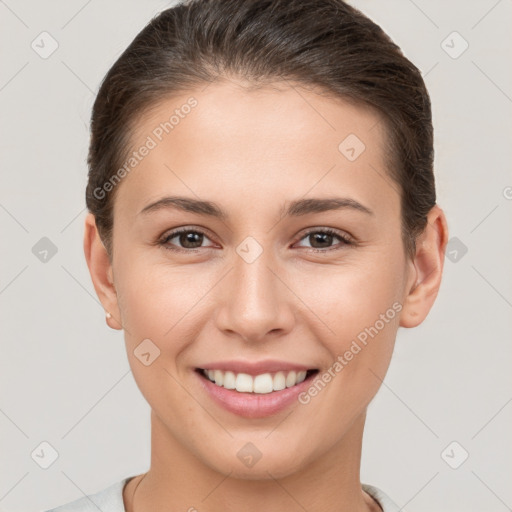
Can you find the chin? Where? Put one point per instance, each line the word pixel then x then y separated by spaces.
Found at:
pixel 278 464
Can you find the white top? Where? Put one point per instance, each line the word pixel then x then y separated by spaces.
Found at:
pixel 111 500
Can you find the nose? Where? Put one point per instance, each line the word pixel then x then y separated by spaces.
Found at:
pixel 256 303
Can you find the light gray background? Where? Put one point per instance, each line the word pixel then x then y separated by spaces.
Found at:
pixel 64 374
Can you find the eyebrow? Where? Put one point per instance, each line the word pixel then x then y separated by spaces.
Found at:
pixel 295 208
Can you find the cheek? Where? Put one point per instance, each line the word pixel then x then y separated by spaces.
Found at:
pixel 361 312
pixel 155 305
pixel 358 305
pixel 154 299
pixel 348 297
pixel 162 304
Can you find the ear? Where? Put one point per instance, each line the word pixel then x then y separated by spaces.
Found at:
pixel 426 270
pixel 101 271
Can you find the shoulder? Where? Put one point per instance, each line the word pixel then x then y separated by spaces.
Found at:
pixel 109 499
pixel 385 502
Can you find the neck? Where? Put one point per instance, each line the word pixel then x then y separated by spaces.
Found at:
pixel 178 480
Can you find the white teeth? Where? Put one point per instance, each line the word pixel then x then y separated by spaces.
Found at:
pixel 244 383
pixel 218 376
pixel 279 381
pixel 229 380
pixel 261 384
pixel 301 376
pixel 291 379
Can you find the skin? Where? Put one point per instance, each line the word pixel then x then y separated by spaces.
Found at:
pixel 253 151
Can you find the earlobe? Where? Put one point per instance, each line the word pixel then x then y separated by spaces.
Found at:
pixel 428 268
pixel 100 269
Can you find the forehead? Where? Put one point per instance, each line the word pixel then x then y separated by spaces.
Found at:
pixel 273 143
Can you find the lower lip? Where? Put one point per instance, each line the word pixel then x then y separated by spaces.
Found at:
pixel 254 405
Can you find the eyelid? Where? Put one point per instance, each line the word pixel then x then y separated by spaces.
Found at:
pixel 170 234
pixel 345 238
pixel 326 229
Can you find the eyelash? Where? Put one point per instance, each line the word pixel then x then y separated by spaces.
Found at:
pixel 164 242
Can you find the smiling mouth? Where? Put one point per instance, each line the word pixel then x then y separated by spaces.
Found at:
pixel 259 384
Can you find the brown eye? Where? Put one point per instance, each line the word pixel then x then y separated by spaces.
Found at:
pixel 184 239
pixel 323 239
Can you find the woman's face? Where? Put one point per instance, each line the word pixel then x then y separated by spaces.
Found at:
pixel 260 283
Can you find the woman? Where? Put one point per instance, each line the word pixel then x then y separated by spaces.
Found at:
pixel 262 220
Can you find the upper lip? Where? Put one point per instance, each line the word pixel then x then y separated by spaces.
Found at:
pixel 255 367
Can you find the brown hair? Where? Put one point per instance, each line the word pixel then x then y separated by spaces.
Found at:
pixel 315 43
